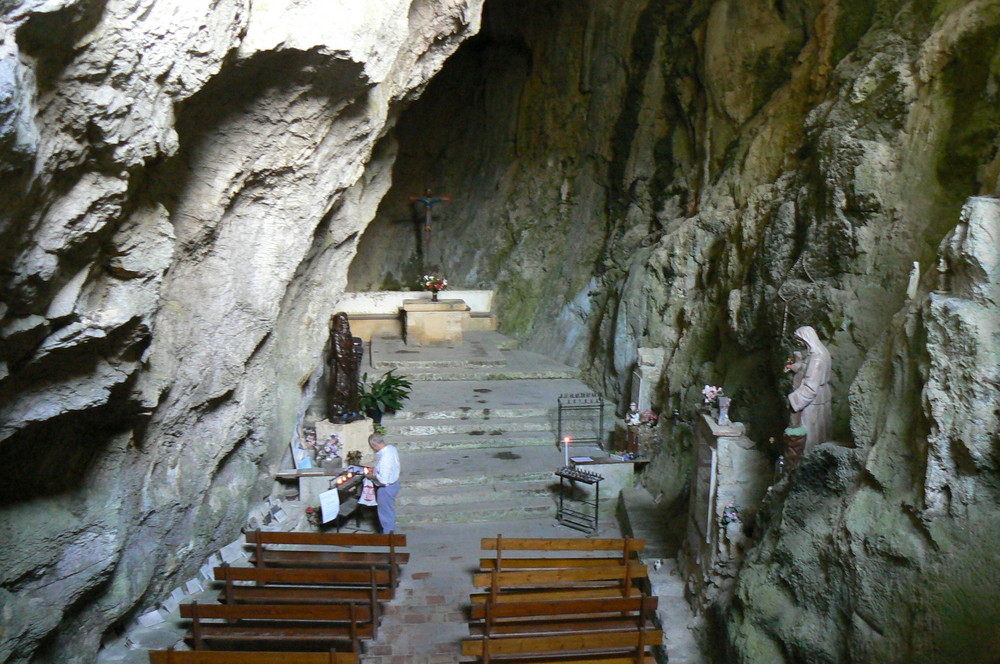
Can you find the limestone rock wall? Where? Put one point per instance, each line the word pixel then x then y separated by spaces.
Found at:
pixel 183 187
pixel 882 553
pixel 706 177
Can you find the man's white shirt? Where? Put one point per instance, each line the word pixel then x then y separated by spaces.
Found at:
pixel 387 465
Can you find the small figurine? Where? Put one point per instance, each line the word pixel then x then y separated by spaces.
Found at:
pixel 942 270
pixel 632 416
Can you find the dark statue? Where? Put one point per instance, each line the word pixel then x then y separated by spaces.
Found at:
pixel 344 365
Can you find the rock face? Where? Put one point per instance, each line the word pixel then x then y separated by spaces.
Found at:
pixel 881 553
pixel 184 184
pixel 706 177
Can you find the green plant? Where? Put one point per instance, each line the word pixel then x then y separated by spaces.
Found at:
pixel 385 394
pixel 379 429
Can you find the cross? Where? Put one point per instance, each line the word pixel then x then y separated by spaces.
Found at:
pixel 429 200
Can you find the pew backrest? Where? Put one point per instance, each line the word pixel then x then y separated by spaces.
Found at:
pixel 298 612
pixel 604 642
pixel 303 577
pixel 555 608
pixel 557 577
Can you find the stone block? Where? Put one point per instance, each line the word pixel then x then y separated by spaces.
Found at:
pixel 617 475
pixel 353 436
pixel 310 486
pixel 434 323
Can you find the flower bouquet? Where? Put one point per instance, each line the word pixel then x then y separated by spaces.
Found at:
pixel 711 393
pixel 434 284
pixel 715 394
pixel 648 417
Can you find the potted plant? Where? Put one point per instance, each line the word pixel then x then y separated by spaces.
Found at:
pixel 383 395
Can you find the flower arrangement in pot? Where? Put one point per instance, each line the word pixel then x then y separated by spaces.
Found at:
pixel 433 284
pixel 383 395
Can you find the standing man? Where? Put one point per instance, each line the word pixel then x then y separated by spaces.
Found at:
pixel 385 475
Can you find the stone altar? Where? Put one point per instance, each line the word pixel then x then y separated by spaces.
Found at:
pixel 435 323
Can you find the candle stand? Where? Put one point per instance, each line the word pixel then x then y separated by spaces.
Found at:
pixel 581 416
pixel 578 513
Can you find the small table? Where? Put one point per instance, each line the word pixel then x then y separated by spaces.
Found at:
pixel 579 519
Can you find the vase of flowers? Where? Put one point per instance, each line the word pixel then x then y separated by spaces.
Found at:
pixel 712 394
pixel 433 284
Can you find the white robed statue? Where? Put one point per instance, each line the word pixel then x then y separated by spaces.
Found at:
pixel 811 398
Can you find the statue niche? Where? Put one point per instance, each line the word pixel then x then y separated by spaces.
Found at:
pixel 343 369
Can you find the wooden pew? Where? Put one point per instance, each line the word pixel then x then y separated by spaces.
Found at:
pixel 558 584
pixel 624 647
pixel 278 627
pixel 379 550
pixel 562 616
pixel 545 552
pixel 291 586
pixel 249 657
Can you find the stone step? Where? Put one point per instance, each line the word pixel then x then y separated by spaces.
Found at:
pixel 479 512
pixel 482 493
pixel 479 465
pixel 473 441
pixel 475 426
pixel 468 413
pixel 479 479
pixel 506 372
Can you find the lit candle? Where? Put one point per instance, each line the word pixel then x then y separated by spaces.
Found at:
pixel 566 448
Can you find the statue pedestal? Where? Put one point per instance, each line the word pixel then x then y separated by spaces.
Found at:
pixel 353 436
pixel 435 323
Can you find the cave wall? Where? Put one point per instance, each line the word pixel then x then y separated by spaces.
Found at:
pixel 706 177
pixel 184 184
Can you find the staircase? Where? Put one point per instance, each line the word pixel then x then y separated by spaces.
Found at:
pixel 478 436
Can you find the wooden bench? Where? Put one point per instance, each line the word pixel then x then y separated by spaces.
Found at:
pixel 279 627
pixel 558 584
pixel 564 616
pixel 626 550
pixel 624 647
pixel 381 550
pixel 249 657
pixel 308 586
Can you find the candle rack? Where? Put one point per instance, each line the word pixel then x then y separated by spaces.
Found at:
pixel 581 418
pixel 578 513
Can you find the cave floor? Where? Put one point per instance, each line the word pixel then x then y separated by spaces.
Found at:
pixel 477 441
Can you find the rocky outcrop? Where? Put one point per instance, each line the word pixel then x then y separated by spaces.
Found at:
pixel 184 186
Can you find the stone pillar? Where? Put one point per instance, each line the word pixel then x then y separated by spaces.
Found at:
pixel 730 470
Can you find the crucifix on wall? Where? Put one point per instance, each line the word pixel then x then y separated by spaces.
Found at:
pixel 428 200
